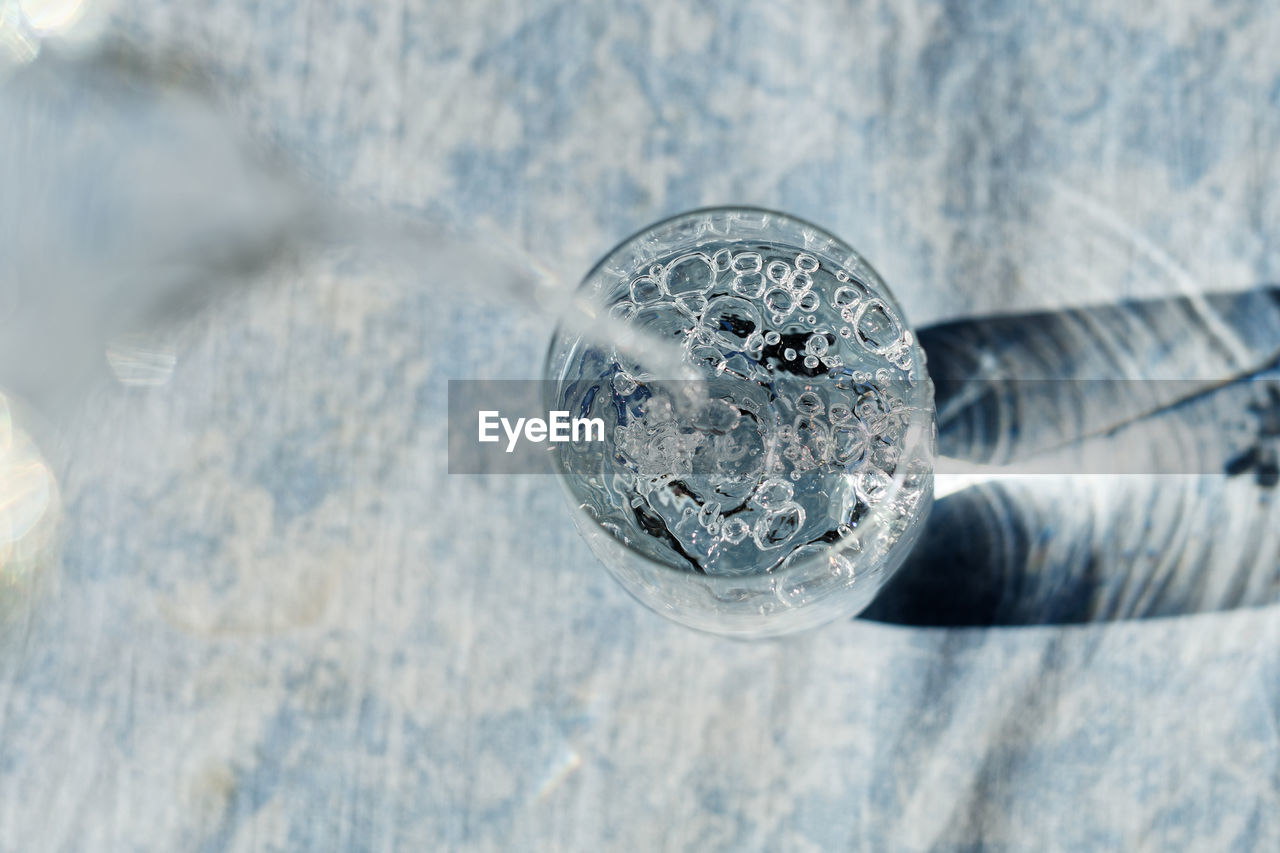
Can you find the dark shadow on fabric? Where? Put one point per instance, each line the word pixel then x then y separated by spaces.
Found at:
pixel 981 560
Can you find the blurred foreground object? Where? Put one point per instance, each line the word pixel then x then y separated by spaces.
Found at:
pixel 128 201
pixel 29 512
pixel 25 25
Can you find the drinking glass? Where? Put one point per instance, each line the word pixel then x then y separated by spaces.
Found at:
pixel 768 454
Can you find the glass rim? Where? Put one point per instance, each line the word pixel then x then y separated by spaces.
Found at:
pixel 913 438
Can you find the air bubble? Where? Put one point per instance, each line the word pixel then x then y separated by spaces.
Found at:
pixel 778 527
pixel 748 262
pixel 692 273
pixel 806 262
pixel 900 356
pixel 844 296
pixel 873 484
pixel 809 301
pixel 839 413
pixel 789 354
pixel 624 383
pixel 709 514
pixel 870 408
pixel 731 320
pixel 817 344
pixel 734 530
pixel 810 403
pixel 812 319
pixel 778 271
pixel 773 493
pixel 801 282
pixel 811 361
pixel 779 301
pixel 772 338
pixel 876 327
pixel 750 284
pixel 721 259
pixel 645 289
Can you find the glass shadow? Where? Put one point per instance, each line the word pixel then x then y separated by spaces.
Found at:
pixel 1129 457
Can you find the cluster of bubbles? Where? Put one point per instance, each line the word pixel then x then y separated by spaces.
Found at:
pixel 792 436
pixel 778 292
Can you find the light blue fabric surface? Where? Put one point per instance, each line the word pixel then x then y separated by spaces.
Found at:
pixel 279 625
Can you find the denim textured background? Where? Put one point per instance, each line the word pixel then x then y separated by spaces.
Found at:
pixel 278 624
